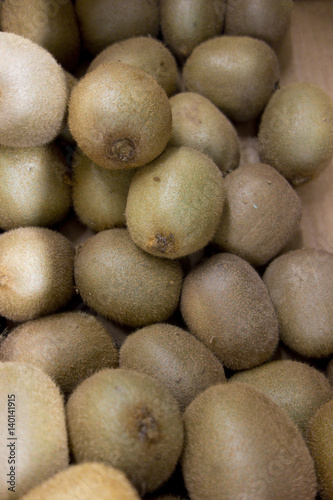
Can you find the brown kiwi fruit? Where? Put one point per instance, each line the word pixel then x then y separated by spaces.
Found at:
pixel 129 420
pixel 225 304
pixel 68 346
pixel 119 116
pixel 329 371
pixel 36 272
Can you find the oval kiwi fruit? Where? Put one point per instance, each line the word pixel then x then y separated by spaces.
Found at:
pixel 129 420
pixel 225 304
pixel 33 429
pixel 296 131
pixel 36 272
pixel 231 63
pixel 119 116
pixel 33 93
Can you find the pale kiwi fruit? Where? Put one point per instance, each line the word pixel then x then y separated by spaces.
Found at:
pixel 106 208
pixel 225 304
pixel 198 124
pixel 239 444
pixel 146 53
pixel 262 213
pixel 125 284
pixel 87 481
pixel 52 25
pixel 296 131
pixel 34 186
pixel 36 272
pixel 103 22
pixel 173 356
pixel 119 116
pixel 300 286
pixel 33 429
pixel 68 346
pixel 174 203
pixel 298 388
pixel 33 93
pixel 240 74
pixel 129 420
pixel 186 23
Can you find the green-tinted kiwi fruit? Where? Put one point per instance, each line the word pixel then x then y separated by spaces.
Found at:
pixel 65 135
pixel 300 286
pixel 68 346
pixel 103 22
pixel 268 20
pixel 33 429
pixel 240 74
pixel 52 25
pixel 296 131
pixel 173 356
pixel 33 93
pixel 129 420
pixel 174 203
pixel 198 124
pixel 146 53
pixel 226 305
pixel 106 208
pixel 298 388
pixel 87 481
pixel 34 187
pixel 36 272
pixel 186 23
pixel 261 214
pixel 119 116
pixel 125 284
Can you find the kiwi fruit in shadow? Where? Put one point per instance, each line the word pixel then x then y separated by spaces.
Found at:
pixel 123 283
pixel 240 444
pixel 198 124
pixel 119 116
pixel 33 93
pixel 33 425
pixel 36 272
pixel 241 74
pixel 296 131
pixel 226 305
pixel 68 346
pixel 129 420
pixel 146 53
pixel 103 22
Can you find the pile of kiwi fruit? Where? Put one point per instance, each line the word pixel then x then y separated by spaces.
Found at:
pixel 159 338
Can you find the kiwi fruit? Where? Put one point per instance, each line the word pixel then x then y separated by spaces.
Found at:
pixel 298 388
pixel 52 25
pixel 129 420
pixel 85 482
pixel 36 272
pixel 146 53
pixel 119 116
pixel 241 444
pixel 299 283
pixel 33 93
pixel 241 74
pixel 106 209
pixel 262 213
pixel 329 371
pixel 268 20
pixel 174 203
pixel 198 124
pixel 68 346
pixel 173 356
pixel 123 283
pixel 34 187
pixel 103 22
pixel 33 429
pixel 225 304
pixel 296 131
